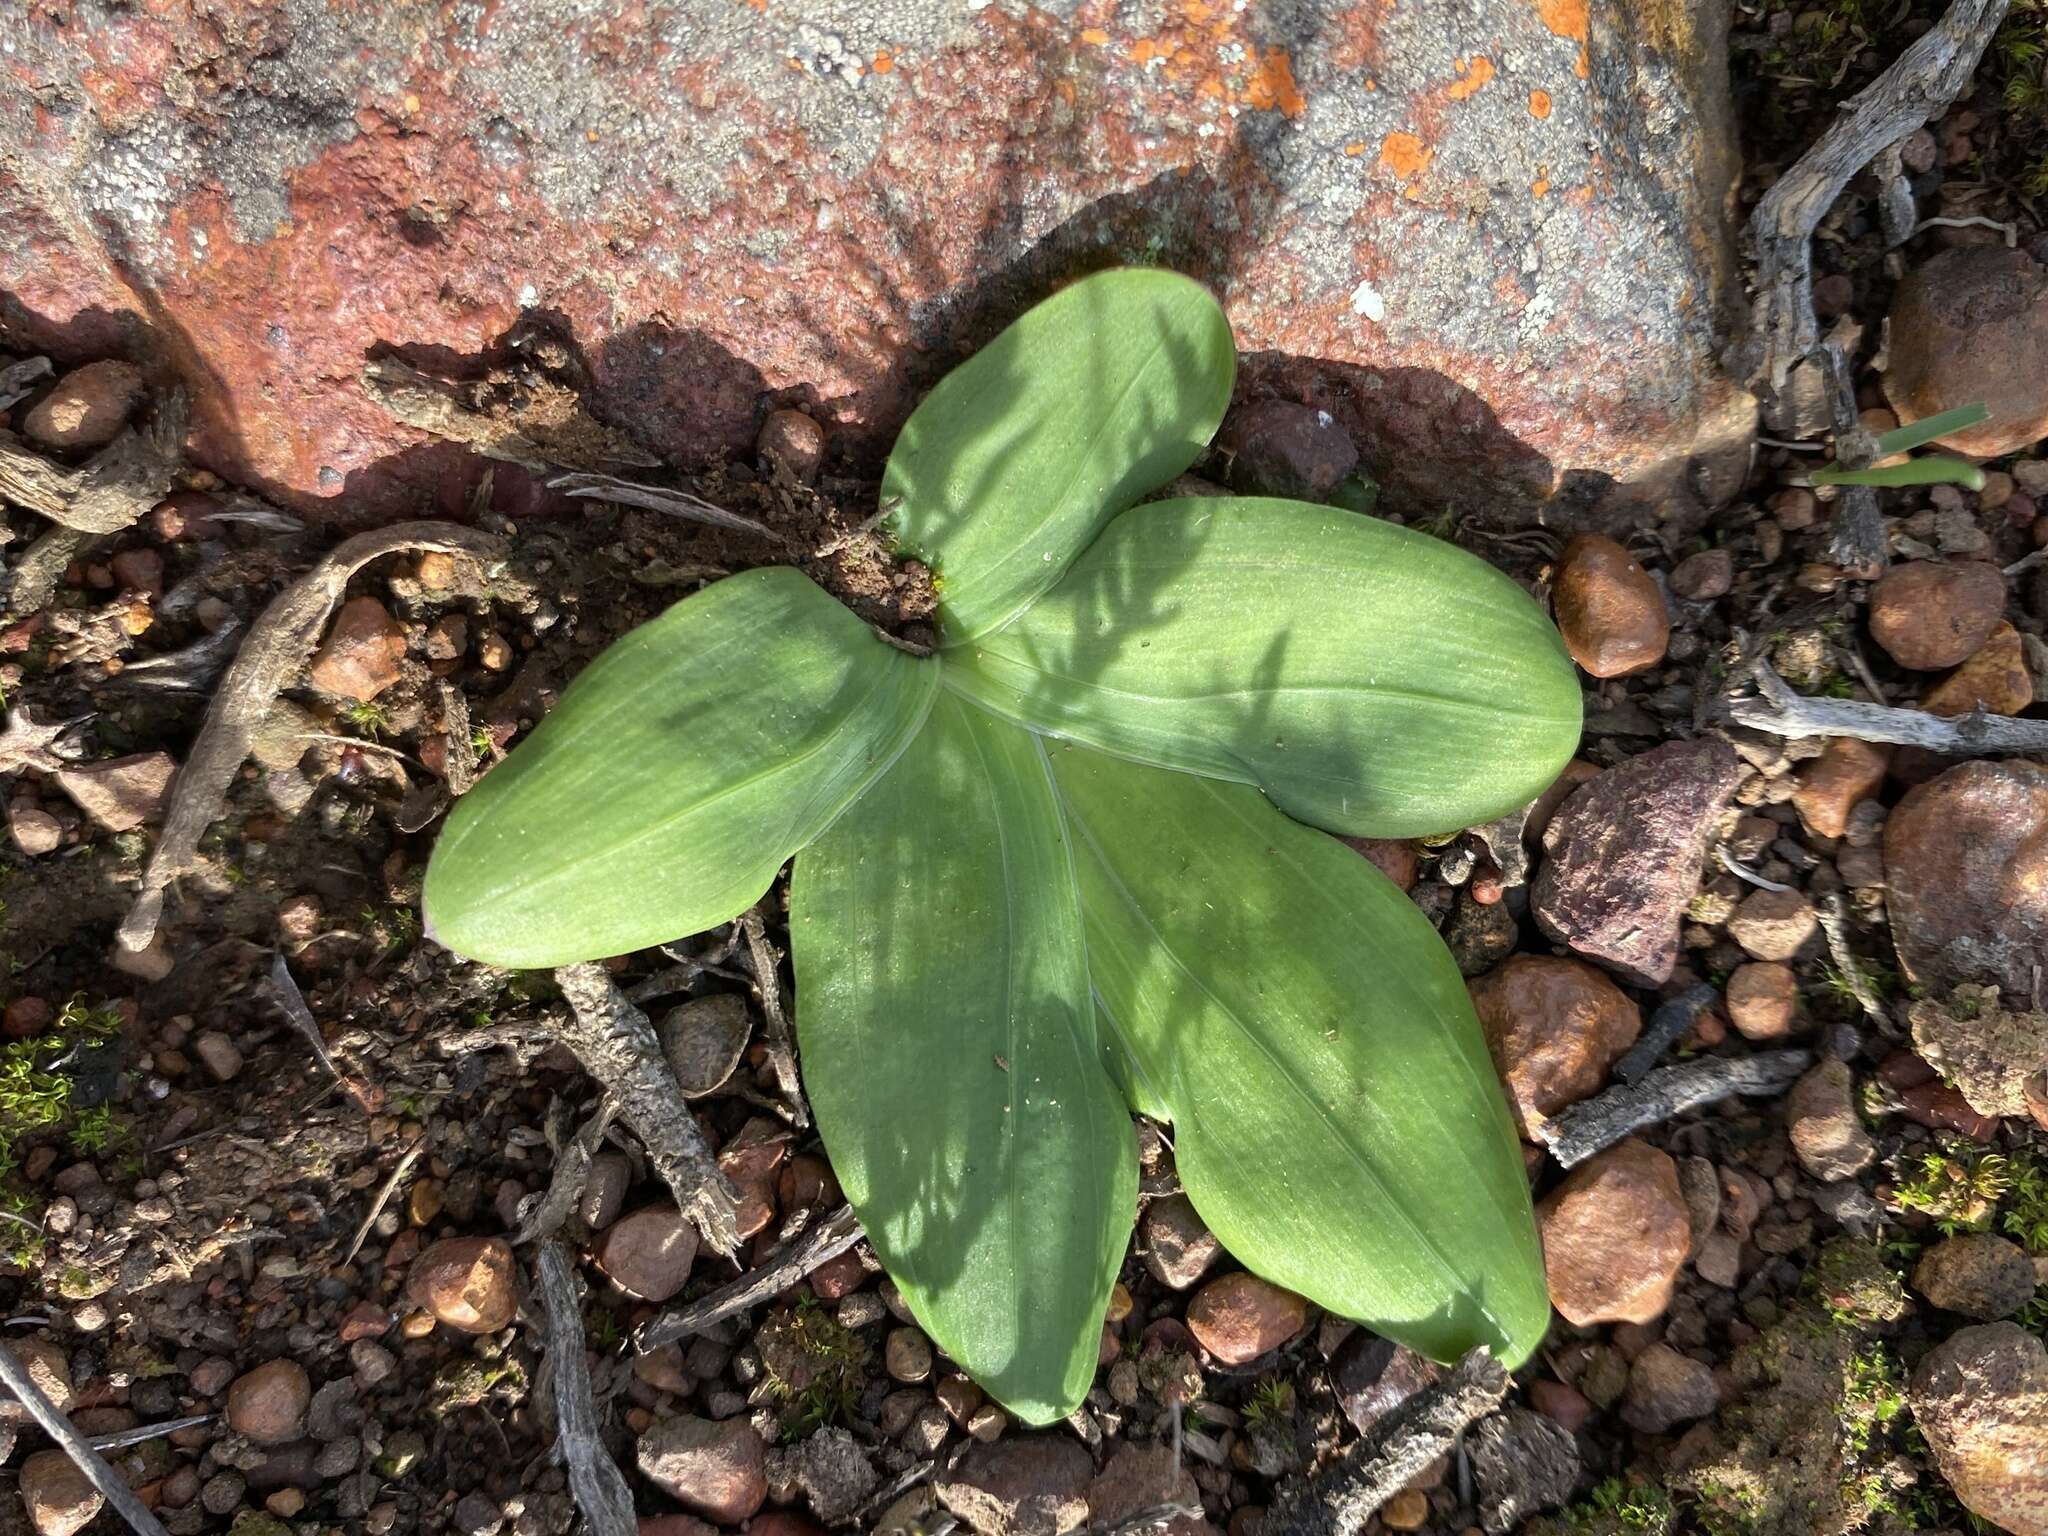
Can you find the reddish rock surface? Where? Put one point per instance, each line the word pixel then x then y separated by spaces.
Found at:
pixel 1846 773
pixel 1554 1027
pixel 469 1283
pixel 1625 853
pixel 1929 615
pixel 732 208
pixel 1981 1399
pixel 362 652
pixel 1994 679
pixel 1971 327
pixel 1967 861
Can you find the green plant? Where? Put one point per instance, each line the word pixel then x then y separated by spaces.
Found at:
pixel 1930 469
pixel 1959 1185
pixel 1048 874
pixel 1615 1505
pixel 368 717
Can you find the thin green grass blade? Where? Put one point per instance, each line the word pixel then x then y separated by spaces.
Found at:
pixel 1916 434
pixel 1930 469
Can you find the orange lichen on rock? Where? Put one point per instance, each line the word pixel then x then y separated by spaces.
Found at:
pixel 1404 154
pixel 1567 18
pixel 1355 148
pixel 1539 104
pixel 1095 37
pixel 1272 85
pixel 1474 77
pixel 884 61
pixel 1541 184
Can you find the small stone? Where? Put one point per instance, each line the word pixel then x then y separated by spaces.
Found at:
pixel 362 653
pixel 268 1404
pixel 1773 925
pixel 1609 609
pixel 1763 1000
pixel 87 408
pixel 120 793
pixel 1995 1057
pixel 1407 1510
pixel 704 1039
pixel 1703 577
pixel 1625 854
pixel 1555 1027
pixel 218 1054
pixel 1719 1261
pixel 1615 1235
pixel 477 1515
pixel 48 1368
pixel 649 1252
pixel 907 1355
pixel 25 1018
pixel 1240 1317
pixel 1979 1274
pixel 1138 1478
pixel 1929 616
pixel 1846 773
pixel 1970 327
pixel 35 832
pixel 60 1499
pixel 1394 857
pixel 1279 448
pixel 752 1159
pixel 795 439
pixel 1966 868
pixel 1826 1131
pixel 494 651
pixel 1981 1399
pixel 959 1397
pixel 831 1470
pixel 1994 679
pixel 1024 1485
pixel 371 1361
pixel 1665 1389
pixel 469 1284
pixel 716 1470
pixel 436 570
pixel 1177 1247
pixel 448 638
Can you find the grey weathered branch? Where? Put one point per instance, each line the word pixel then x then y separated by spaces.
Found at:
pixel 761 957
pixel 113 1488
pixel 595 1481
pixel 571 1175
pixel 1926 77
pixel 617 1046
pixel 113 488
pixel 1338 1500
pixel 1782 712
pixel 1834 923
pixel 815 1245
pixel 1594 1125
pixel 1672 1019
pixel 277 645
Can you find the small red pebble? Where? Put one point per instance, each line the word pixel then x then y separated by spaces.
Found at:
pixel 1903 1070
pixel 28 1016
pixel 1942 1108
pixel 1486 887
pixel 365 1320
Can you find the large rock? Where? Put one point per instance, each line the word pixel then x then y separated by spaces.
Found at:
pixel 1966 859
pixel 713 1469
pixel 1023 1485
pixel 1981 1399
pixel 1493 250
pixel 1625 854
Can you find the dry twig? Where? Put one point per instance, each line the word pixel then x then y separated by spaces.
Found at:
pixel 277 646
pixel 1671 1020
pixel 113 488
pixel 1338 1500
pixel 572 1173
pixel 15 1377
pixel 384 1193
pixel 616 1045
pixel 595 1481
pixel 775 1031
pixel 654 498
pixel 1834 923
pixel 1782 712
pixel 817 1243
pixel 1596 1124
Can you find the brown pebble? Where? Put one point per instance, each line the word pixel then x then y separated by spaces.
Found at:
pixel 1240 1317
pixel 796 440
pixel 87 408
pixel 1763 1000
pixel 268 1404
pixel 1609 609
pixel 1930 615
pixel 468 1283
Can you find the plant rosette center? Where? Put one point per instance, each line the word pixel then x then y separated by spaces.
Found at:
pixel 1078 862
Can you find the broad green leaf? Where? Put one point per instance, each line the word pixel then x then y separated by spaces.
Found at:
pixel 1337 1121
pixel 1372 680
pixel 949 1046
pixel 678 772
pixel 1090 400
